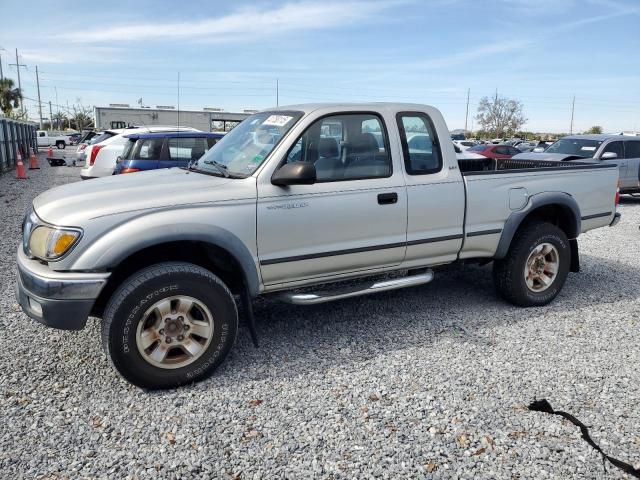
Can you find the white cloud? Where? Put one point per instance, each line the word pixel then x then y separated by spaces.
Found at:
pixel 245 23
pixel 514 45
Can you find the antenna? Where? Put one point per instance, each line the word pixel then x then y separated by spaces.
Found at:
pixel 178 101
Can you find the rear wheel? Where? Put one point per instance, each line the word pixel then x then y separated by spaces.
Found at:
pixel 168 325
pixel 536 266
pixel 61 144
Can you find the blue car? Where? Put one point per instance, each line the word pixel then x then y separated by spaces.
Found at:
pixel 150 151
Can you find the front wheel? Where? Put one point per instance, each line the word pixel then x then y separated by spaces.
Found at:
pixel 535 267
pixel 168 325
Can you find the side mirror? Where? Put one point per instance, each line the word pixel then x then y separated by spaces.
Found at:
pixel 538 150
pixel 608 156
pixel 295 173
pixel 118 160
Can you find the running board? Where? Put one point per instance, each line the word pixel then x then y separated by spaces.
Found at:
pixel 356 290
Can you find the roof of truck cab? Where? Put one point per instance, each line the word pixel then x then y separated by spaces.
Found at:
pixel 190 134
pixel 310 107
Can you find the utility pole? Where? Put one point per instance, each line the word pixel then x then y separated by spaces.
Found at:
pixel 573 106
pixel 69 117
pixel 57 110
pixel 39 101
pixel 50 116
pixel 277 93
pixel 1 75
pixel 18 65
pixel 466 115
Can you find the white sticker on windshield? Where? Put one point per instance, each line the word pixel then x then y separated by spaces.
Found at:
pixel 277 121
pixel 588 149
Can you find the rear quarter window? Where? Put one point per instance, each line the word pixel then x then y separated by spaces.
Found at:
pixel 632 149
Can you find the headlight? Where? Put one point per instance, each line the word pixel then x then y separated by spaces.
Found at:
pixel 50 243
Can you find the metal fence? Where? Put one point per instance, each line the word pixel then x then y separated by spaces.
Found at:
pixel 15 136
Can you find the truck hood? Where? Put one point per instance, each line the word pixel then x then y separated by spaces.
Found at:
pixel 70 205
pixel 558 157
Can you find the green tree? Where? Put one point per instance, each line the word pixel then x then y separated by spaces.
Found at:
pixel 596 129
pixel 10 97
pixel 500 116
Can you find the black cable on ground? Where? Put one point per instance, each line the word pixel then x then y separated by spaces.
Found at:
pixel 545 407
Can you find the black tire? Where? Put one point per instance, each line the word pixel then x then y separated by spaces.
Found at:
pixel 125 310
pixel 508 273
pixel 61 145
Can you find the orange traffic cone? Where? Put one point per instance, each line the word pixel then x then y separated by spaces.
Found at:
pixel 33 161
pixel 21 173
pixel 50 152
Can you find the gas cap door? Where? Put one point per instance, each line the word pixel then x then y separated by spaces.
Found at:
pixel 518 198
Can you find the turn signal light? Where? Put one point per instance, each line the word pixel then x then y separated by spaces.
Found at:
pixel 130 170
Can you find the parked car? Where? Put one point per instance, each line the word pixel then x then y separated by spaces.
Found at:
pixel 151 151
pixel 526 146
pixel 101 156
pixel 84 150
pixel 162 257
pixel 48 139
pixel 465 144
pixel 495 151
pixel 623 151
pixel 83 142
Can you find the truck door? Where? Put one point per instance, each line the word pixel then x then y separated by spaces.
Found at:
pixel 353 218
pixel 43 140
pixel 435 192
pixel 617 148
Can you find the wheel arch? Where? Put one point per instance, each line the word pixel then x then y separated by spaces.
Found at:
pixel 210 247
pixel 558 208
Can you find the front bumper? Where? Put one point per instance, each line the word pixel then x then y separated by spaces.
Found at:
pixel 57 299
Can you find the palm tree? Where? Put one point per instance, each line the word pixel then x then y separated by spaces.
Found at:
pixel 9 97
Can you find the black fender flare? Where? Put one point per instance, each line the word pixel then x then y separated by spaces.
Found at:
pixel 560 199
pixel 209 234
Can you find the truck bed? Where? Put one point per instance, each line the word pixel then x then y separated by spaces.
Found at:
pixel 497 188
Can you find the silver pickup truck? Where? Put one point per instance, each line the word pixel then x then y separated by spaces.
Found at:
pixel 307 203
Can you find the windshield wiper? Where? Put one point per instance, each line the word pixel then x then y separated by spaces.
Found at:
pixel 219 166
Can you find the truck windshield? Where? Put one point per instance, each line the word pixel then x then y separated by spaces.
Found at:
pixel 241 151
pixel 575 146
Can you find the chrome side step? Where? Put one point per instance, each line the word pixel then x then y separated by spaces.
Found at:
pixel 298 298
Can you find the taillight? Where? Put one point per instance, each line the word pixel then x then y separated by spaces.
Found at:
pixel 94 153
pixel 82 147
pixel 617 193
pixel 129 170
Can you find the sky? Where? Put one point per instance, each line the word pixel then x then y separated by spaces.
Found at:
pixel 231 55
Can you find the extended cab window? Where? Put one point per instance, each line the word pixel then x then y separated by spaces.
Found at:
pixel 419 144
pixel 350 146
pixel 187 148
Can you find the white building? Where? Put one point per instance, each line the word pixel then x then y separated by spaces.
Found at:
pixel 208 119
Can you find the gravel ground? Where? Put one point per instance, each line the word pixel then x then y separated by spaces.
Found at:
pixel 427 382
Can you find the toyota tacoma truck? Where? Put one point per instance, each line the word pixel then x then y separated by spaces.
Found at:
pixel 46 139
pixel 307 204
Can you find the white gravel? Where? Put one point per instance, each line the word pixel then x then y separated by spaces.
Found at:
pixel 428 382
